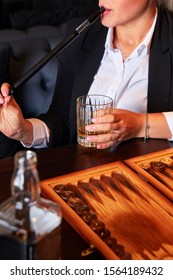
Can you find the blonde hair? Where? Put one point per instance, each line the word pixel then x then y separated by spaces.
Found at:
pixel 166 3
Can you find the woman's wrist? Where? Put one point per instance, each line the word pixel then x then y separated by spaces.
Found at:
pixel 25 135
pixel 143 131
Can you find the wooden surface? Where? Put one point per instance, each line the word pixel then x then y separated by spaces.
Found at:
pixel 71 158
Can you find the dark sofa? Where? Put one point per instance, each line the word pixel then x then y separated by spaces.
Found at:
pixel 19 51
pixel 22 14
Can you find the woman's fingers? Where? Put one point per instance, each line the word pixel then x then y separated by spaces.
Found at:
pixel 4 94
pixel 5 89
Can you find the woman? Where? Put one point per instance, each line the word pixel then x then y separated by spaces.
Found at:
pixel 129 56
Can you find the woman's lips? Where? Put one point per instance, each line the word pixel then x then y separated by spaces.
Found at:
pixel 107 11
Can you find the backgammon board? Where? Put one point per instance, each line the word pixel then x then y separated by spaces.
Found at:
pixel 120 208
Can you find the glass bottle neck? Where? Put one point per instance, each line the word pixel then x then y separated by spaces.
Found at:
pixel 25 180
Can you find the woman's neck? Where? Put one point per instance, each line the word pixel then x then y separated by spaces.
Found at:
pixel 131 35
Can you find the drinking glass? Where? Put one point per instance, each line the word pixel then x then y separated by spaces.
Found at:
pixel 88 107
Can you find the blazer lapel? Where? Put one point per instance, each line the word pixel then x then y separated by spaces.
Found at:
pixel 89 61
pixel 160 67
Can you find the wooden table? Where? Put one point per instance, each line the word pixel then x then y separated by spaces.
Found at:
pixel 67 159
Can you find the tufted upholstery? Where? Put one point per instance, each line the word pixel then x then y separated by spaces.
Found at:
pixel 19 51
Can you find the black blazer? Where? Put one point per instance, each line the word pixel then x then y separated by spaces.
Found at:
pixel 80 61
pixel 78 64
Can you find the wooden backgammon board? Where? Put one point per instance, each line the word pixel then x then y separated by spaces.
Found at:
pixel 122 208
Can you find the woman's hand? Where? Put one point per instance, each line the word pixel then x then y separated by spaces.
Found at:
pixel 120 124
pixel 12 123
